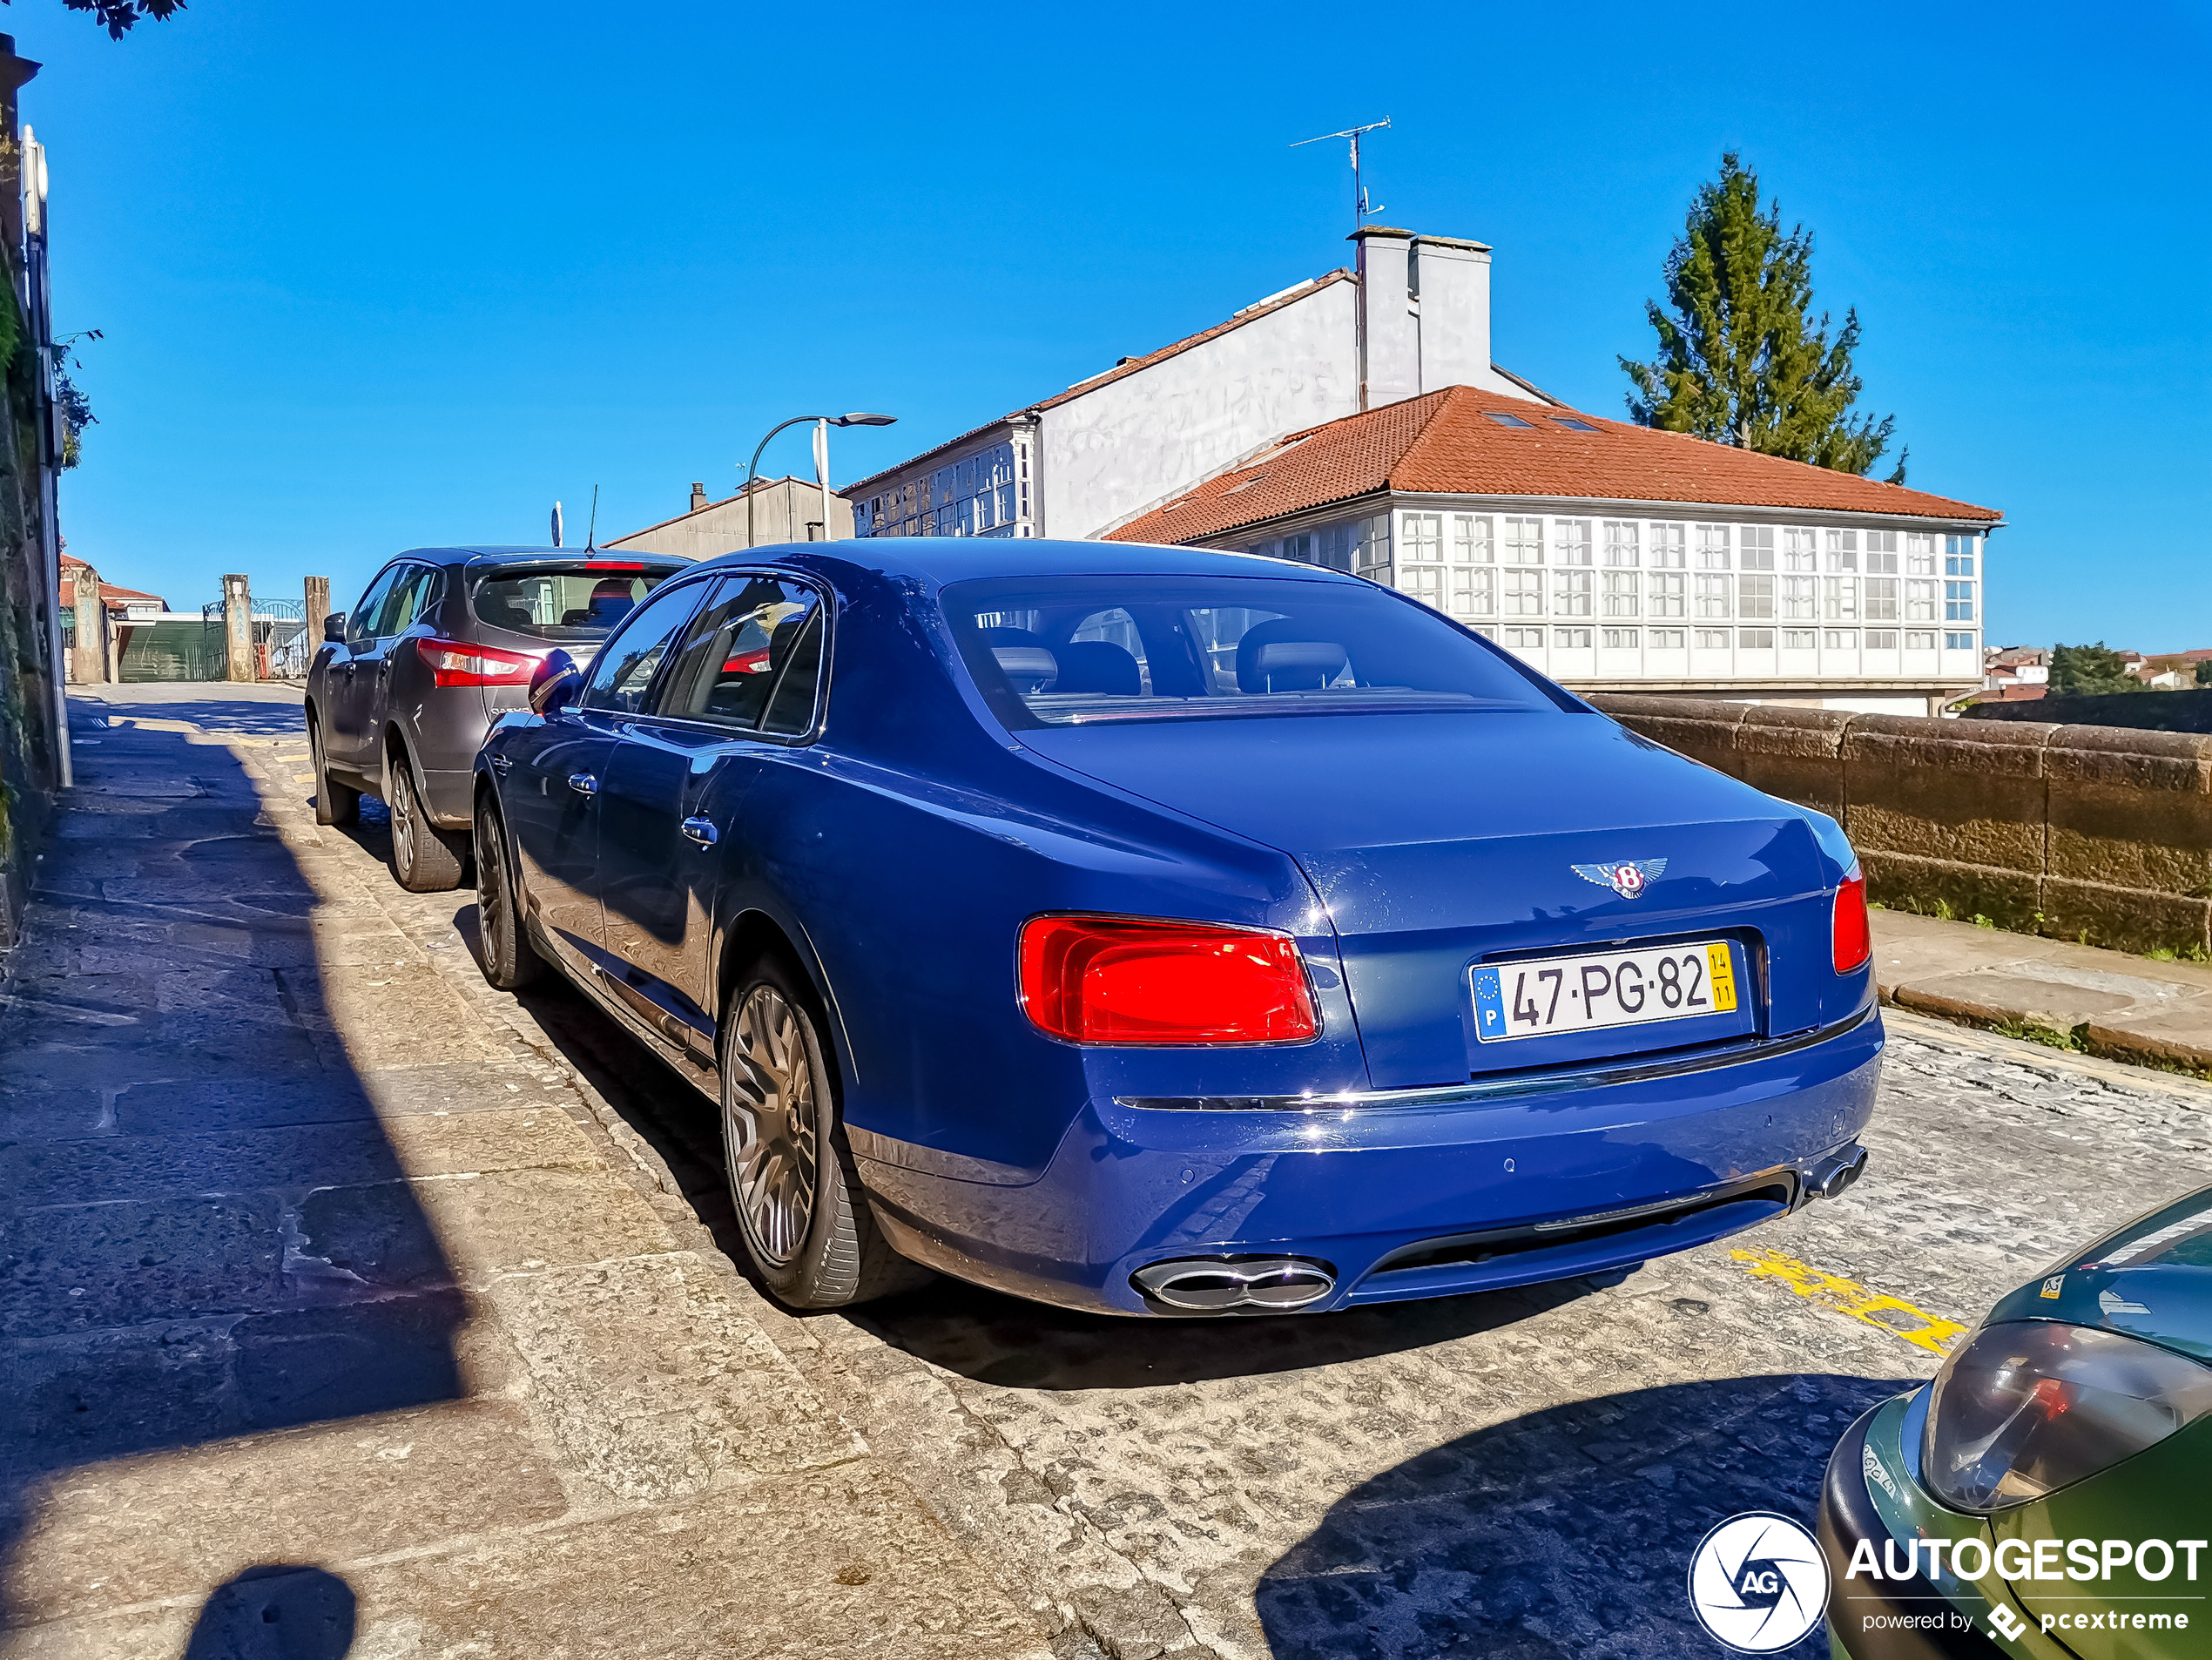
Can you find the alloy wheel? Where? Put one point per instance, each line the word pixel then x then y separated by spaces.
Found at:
pixel 402 807
pixel 768 1124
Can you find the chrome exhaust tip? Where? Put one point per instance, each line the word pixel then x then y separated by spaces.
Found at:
pixel 1838 1170
pixel 1221 1284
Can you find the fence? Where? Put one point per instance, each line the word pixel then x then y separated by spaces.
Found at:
pixel 2089 832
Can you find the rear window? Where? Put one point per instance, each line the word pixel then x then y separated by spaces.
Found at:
pixel 579 601
pixel 1075 651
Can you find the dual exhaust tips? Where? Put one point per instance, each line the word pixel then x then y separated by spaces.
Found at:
pixel 1838 1170
pixel 1223 1285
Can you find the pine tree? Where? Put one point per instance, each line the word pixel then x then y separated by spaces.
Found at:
pixel 1741 359
pixel 2090 670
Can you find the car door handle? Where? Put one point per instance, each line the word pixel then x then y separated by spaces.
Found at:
pixel 583 784
pixel 701 831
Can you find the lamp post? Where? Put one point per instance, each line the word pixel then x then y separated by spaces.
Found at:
pixel 752 468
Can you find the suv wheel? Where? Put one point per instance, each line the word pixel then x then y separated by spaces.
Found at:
pixel 424 859
pixel 334 803
pixel 800 1207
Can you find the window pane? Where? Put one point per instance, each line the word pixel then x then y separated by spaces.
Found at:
pixel 790 711
pixel 563 605
pixel 623 674
pixel 731 662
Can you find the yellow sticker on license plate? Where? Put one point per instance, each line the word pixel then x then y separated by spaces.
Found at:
pixel 1723 971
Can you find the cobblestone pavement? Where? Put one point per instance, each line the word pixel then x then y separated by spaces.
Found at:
pixel 1521 1474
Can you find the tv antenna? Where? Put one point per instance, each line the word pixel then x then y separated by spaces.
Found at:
pixel 1361 212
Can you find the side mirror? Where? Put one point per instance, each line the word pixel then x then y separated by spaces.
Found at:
pixel 333 629
pixel 555 683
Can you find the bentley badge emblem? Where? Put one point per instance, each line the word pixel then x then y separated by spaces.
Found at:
pixel 1627 879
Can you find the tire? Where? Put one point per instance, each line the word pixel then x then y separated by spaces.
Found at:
pixel 800 1206
pixel 424 858
pixel 510 960
pixel 334 803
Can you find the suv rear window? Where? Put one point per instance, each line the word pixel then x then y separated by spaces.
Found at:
pixel 564 603
pixel 1075 651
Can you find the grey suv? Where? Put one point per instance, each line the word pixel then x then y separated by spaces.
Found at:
pixel 444 640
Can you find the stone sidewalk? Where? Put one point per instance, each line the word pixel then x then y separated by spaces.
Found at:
pixel 324 1304
pixel 2104 1003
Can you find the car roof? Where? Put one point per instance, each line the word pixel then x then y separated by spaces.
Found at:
pixel 496 553
pixel 939 560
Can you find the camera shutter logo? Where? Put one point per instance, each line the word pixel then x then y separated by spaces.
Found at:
pixel 1757 1582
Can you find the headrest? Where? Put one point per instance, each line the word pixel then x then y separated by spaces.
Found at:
pixel 1099 666
pixel 1271 657
pixel 1031 668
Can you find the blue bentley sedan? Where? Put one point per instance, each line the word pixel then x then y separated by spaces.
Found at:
pixel 1160 931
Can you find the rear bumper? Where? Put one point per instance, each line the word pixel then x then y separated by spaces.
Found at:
pixel 1398 1202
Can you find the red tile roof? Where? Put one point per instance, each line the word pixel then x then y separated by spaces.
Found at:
pixel 1444 442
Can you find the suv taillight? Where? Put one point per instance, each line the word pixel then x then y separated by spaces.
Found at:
pixel 1853 942
pixel 1133 980
pixel 453 663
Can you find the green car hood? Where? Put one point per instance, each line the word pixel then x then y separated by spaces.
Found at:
pixel 2150 1279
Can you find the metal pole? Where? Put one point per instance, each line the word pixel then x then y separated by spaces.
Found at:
pixel 752 470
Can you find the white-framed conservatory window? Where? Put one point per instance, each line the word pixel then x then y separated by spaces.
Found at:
pixel 1666 594
pixel 1755 548
pixel 1423 583
pixel 1842 639
pixel 1571 541
pixel 1958 602
pixel 1424 539
pixel 1957 642
pixel 1920 555
pixel 1712 597
pixel 1524 594
pixel 1371 558
pixel 1619 639
pixel 1919 600
pixel 1525 639
pixel 1622 543
pixel 1920 640
pixel 1881 639
pixel 1474 592
pixel 1712 640
pixel 1799 598
pixel 1471 540
pixel 1800 639
pixel 1664 639
pixel 1299 548
pixel 1712 547
pixel 1667 543
pixel 1524 541
pixel 1957 556
pixel 1754 597
pixel 1571 593
pixel 1800 549
pixel 1756 639
pixel 1881 554
pixel 1842 595
pixel 1571 639
pixel 1842 551
pixel 1621 593
pixel 1881 596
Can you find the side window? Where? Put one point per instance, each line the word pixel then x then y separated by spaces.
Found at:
pixel 361 625
pixel 752 661
pixel 416 591
pixel 622 676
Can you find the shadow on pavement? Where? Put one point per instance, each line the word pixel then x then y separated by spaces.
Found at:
pixel 281 1611
pixel 203 1230
pixel 1567 1532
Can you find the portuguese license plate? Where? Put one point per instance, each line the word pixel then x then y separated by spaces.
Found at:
pixel 1583 993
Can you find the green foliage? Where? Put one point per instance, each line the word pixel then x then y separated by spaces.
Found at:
pixel 118 17
pixel 70 398
pixel 1741 359
pixel 2204 672
pixel 2089 670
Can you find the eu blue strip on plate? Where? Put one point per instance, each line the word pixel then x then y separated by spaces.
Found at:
pixel 1489 1003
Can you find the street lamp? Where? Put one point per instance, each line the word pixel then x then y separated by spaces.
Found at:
pixel 752 469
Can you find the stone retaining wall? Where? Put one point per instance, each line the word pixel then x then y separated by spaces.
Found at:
pixel 2081 832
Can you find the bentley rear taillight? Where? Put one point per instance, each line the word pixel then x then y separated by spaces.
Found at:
pixel 1853 943
pixel 454 663
pixel 1135 979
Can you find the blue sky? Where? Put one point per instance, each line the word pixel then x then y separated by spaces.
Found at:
pixel 371 277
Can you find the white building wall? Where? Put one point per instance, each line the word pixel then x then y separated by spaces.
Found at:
pixel 1121 450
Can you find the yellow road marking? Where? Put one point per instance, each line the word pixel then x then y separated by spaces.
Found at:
pixel 1891 1314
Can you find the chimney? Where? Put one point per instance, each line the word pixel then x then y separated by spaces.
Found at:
pixel 1390 346
pixel 1451 285
pixel 698 496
